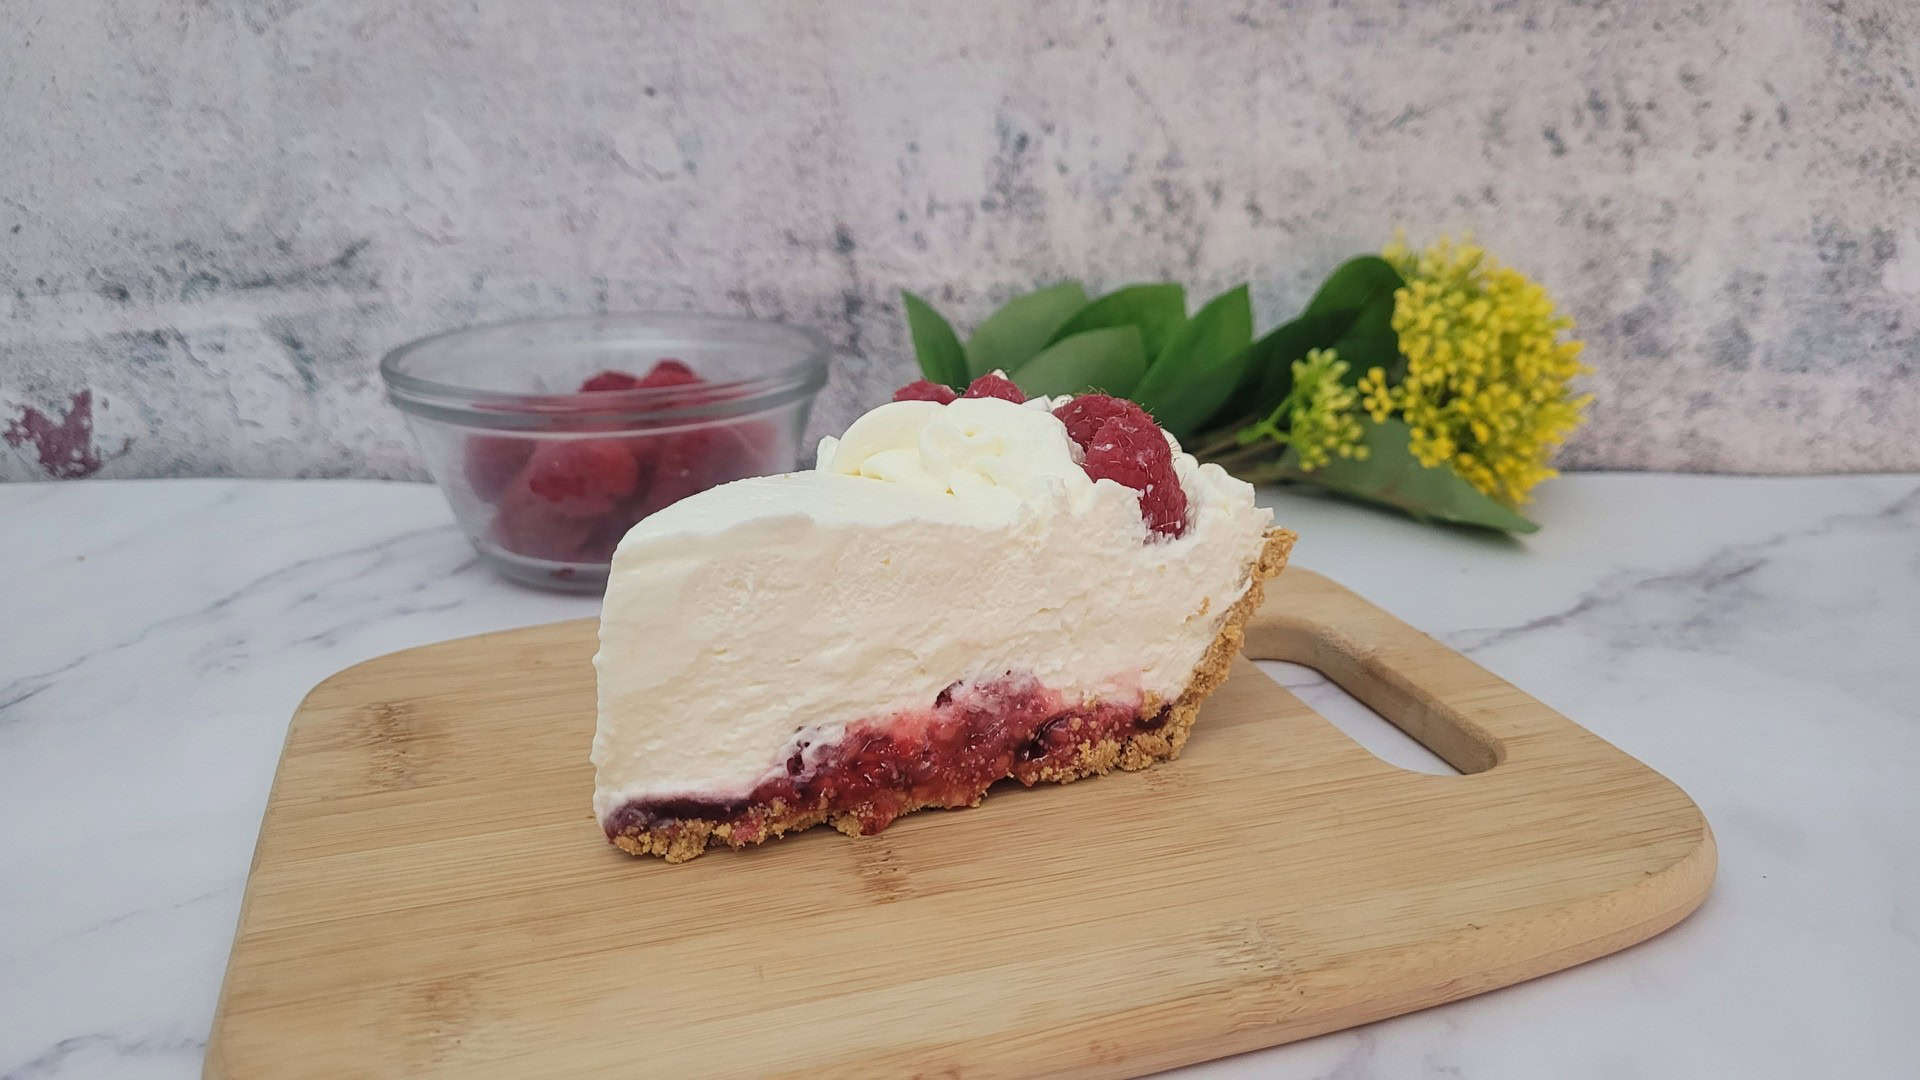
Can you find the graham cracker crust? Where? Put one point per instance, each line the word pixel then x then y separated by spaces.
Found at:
pixel 685 839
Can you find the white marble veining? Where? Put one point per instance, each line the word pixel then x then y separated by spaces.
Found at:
pixel 1753 639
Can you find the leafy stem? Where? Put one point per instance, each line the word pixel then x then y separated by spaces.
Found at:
pixel 1211 445
pixel 1235 460
pixel 1273 472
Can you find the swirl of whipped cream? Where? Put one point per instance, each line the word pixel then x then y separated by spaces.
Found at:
pixel 976 449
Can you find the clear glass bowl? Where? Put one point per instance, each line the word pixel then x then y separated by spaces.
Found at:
pixel 546 475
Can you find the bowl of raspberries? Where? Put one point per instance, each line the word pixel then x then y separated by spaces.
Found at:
pixel 552 437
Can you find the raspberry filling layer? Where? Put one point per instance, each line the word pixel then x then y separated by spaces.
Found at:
pixel 946 755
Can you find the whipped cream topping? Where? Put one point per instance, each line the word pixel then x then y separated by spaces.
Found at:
pixel 932 544
pixel 983 451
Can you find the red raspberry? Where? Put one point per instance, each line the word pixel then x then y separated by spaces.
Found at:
pixel 1132 451
pixel 1084 415
pixel 922 390
pixel 994 384
pixel 650 450
pixel 583 477
pixel 605 535
pixel 574 500
pixel 609 380
pixel 746 448
pixel 1164 506
pixel 587 482
pixel 663 373
pixel 670 372
pixel 492 462
pixel 680 461
pixel 526 524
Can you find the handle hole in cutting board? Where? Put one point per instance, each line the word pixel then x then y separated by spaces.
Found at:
pixel 1375 733
pixel 1423 688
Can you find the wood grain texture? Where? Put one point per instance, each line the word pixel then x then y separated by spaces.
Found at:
pixel 431 895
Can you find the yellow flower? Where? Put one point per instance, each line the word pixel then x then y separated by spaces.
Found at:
pixel 1321 412
pixel 1486 389
pixel 1375 397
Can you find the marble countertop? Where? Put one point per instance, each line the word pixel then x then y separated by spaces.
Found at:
pixel 1753 639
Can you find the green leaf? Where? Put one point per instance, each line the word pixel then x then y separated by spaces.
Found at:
pixel 1269 367
pixel 1158 310
pixel 1109 360
pixel 934 343
pixel 1357 302
pixel 1022 327
pixel 1393 476
pixel 1369 342
pixel 1201 364
pixel 1279 349
pixel 1351 313
pixel 1354 284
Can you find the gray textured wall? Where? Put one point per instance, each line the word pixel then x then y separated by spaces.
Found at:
pixel 214 214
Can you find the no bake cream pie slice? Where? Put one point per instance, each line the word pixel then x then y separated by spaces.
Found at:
pixel 960 592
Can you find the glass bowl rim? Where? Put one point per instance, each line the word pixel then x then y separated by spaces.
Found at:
pixel 651 406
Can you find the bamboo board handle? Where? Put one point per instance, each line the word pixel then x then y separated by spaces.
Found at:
pixel 1454 707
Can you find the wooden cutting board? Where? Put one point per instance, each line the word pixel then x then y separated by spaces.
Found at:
pixel 432 897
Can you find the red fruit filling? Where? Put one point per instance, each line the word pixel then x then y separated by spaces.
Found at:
pixel 995 385
pixel 946 755
pixel 923 390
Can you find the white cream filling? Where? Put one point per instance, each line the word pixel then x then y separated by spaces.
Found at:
pixel 932 544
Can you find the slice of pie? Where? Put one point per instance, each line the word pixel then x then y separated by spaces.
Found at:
pixel 960 592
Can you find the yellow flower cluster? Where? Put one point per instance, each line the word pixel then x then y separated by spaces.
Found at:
pixel 1486 384
pixel 1322 421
